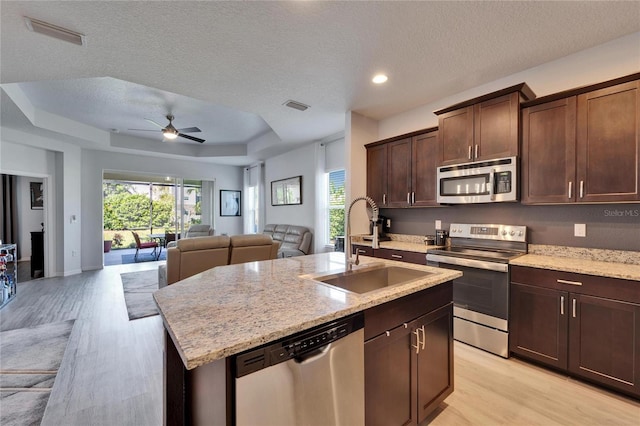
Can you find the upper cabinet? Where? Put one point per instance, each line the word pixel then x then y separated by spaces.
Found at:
pixel 483 128
pixel 401 171
pixel 583 145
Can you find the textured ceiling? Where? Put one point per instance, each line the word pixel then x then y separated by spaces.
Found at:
pixel 227 67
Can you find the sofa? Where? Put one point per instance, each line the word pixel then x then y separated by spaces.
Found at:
pixel 191 256
pixel 294 240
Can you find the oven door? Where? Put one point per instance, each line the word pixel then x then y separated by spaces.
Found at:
pixel 483 288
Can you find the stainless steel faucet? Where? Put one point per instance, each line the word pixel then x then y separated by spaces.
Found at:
pixel 374 244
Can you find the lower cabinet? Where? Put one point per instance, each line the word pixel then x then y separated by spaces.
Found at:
pixel 584 325
pixel 409 366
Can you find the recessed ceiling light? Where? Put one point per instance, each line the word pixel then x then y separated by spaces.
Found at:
pixel 379 78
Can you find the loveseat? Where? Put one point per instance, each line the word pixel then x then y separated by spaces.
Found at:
pixel 191 256
pixel 295 240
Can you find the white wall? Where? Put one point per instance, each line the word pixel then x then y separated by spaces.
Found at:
pixel 95 162
pixel 617 58
pixel 29 220
pixel 299 162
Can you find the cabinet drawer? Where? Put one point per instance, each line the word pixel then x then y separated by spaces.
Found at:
pixel 363 250
pixel 402 256
pixel 611 288
pixel 389 315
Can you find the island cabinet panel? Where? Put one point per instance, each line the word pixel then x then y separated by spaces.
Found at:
pixel 377 174
pixel 585 325
pixel 483 131
pixel 583 148
pixel 549 152
pixel 408 357
pixel 608 135
pixel 402 171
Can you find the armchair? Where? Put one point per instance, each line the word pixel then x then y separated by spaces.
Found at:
pixel 151 244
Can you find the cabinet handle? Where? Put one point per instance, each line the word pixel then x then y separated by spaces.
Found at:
pixel 405 325
pixel 561 305
pixel 469 152
pixel 475 155
pixel 396 256
pixel 408 198
pixel 573 307
pixel 424 337
pixel 413 197
pixel 388 333
pixel 569 282
pixel 417 345
pixel 384 199
pixel 570 189
pixel 362 251
pixel 581 189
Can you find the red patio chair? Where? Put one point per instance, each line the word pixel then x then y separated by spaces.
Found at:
pixel 150 244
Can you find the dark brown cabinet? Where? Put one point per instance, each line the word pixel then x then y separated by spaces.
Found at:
pixel 391 254
pixel 482 129
pixel 377 174
pixel 582 147
pixel 585 325
pixel 409 366
pixel 401 172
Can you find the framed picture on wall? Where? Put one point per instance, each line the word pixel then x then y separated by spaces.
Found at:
pixel 37 196
pixel 286 191
pixel 230 203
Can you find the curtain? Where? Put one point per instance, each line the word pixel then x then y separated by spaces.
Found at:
pixel 254 199
pixel 9 211
pixel 321 238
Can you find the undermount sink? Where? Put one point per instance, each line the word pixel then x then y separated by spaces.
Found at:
pixel 372 278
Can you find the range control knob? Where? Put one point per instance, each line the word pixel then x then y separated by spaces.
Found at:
pixel 520 233
pixel 512 233
pixel 504 232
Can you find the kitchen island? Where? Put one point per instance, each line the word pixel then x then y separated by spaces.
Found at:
pixel 224 311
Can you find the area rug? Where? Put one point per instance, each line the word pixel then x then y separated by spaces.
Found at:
pixel 143 257
pixel 30 361
pixel 138 293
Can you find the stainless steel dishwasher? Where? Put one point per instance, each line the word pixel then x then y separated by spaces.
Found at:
pixel 311 378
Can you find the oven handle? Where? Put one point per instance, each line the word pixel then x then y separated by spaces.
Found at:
pixel 471 263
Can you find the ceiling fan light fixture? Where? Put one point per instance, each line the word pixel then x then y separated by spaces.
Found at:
pixel 41 27
pixel 170 134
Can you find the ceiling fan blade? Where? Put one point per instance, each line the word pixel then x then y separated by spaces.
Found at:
pixel 144 130
pixel 189 130
pixel 153 122
pixel 191 138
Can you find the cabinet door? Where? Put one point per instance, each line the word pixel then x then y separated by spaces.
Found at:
pixel 399 173
pixel 538 324
pixel 608 144
pixel 496 127
pixel 423 169
pixel 435 362
pixel 377 173
pixel 389 379
pixel 604 343
pixel 455 136
pixel 548 152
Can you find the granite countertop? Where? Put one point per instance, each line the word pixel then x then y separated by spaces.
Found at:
pixel 580 265
pixel 229 309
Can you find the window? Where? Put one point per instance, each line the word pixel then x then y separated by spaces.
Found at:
pixel 335 223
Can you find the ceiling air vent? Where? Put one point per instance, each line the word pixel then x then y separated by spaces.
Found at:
pixel 54 31
pixel 296 105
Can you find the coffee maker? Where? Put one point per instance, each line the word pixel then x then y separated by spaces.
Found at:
pixel 383 227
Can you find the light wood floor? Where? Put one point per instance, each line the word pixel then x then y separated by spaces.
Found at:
pixel 112 370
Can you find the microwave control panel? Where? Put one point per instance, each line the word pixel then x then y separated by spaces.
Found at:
pixel 502 182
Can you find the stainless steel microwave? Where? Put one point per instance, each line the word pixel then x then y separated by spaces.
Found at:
pixel 490 181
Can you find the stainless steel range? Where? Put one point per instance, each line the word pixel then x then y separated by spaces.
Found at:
pixel 481 296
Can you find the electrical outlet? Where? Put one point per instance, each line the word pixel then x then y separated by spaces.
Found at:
pixel 73 253
pixel 580 230
pixel 438 224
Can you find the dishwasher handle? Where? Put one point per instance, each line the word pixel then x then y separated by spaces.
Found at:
pixel 313 355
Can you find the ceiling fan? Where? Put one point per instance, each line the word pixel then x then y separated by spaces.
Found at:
pixel 171 132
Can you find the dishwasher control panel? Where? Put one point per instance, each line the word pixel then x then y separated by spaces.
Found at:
pixel 296 345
